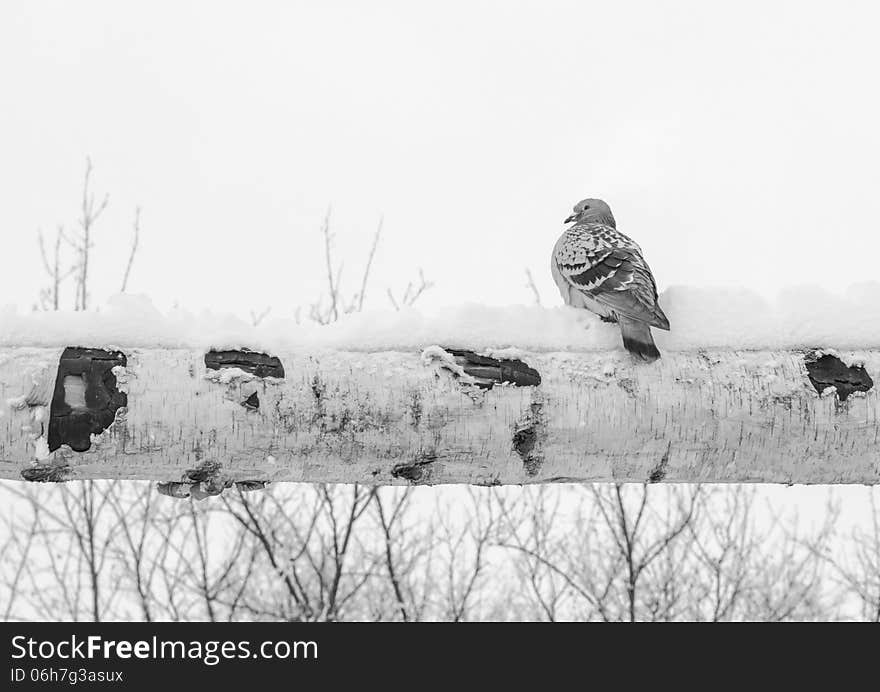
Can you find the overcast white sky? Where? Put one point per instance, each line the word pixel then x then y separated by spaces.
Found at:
pixel 738 144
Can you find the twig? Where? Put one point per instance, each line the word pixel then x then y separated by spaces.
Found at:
pixel 134 246
pixel 53 270
pixel 90 214
pixel 530 283
pixel 363 291
pixel 333 284
pixel 412 292
pixel 392 299
pixel 258 317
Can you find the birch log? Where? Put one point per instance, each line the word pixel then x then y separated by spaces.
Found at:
pixel 200 424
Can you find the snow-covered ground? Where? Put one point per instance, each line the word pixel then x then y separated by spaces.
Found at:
pixel 714 318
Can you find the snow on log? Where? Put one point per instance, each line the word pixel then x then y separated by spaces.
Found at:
pixel 747 390
pixel 199 420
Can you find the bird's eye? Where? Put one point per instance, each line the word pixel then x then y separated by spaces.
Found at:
pixel 586 207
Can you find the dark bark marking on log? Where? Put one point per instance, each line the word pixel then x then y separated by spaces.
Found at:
pixel 829 371
pixel 708 359
pixel 318 389
pixel 251 486
pixel 259 364
pixel 415 409
pixel 74 425
pixel 417 471
pixel 344 420
pixel 211 488
pixel 180 491
pixel 487 372
pixel 47 474
pixel 201 490
pixel 252 403
pixel 658 473
pixel 206 472
pixel 332 422
pixel 341 413
pixel 206 480
pixel 628 385
pixel 526 439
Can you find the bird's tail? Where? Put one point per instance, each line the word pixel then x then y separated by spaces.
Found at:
pixel 637 339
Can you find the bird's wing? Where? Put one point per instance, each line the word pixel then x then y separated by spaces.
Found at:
pixel 609 267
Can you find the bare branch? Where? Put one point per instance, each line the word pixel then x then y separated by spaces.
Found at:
pixel 363 292
pixel 91 212
pixel 258 317
pixel 50 297
pixel 530 284
pixel 333 282
pixel 136 233
pixel 412 293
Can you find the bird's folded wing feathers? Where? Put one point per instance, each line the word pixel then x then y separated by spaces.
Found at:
pixel 617 277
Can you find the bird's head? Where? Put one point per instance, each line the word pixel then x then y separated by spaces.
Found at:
pixel 592 211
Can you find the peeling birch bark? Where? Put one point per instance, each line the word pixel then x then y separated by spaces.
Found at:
pixel 438 417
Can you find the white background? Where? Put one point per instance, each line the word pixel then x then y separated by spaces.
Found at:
pixel 737 142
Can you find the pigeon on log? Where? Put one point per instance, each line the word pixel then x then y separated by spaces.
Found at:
pixel 599 268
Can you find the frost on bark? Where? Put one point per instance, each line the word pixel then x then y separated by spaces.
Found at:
pixel 201 422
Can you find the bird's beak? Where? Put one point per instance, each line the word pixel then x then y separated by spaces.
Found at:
pixel 571 218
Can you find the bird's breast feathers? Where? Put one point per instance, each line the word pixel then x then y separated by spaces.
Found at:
pixel 608 266
pixel 588 255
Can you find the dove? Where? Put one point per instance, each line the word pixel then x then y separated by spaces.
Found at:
pixel 598 268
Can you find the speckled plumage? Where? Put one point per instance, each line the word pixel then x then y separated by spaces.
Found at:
pixel 599 268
